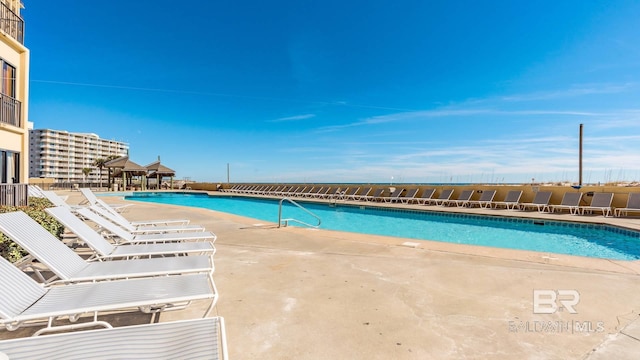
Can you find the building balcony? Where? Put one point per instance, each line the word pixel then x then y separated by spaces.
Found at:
pixel 11 23
pixel 10 110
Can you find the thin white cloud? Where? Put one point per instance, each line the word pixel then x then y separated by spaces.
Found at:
pixel 575 91
pixel 294 118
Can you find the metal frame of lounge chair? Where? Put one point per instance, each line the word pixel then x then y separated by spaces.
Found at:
pixel 409 196
pixel 463 199
pixel 445 195
pixel 182 339
pixel 144 229
pixel 363 194
pixel 511 200
pixel 322 193
pixel 285 191
pixel 92 199
pixel 378 194
pixel 633 205
pixel 299 190
pixel 57 200
pixel 350 193
pixel 394 196
pixel 105 250
pixel 600 202
pixel 540 201
pixel 24 301
pixel 426 196
pixel 485 199
pixel 311 192
pixel 35 191
pixel 127 237
pixel 68 266
pixel 272 191
pixel 99 203
pixel 570 201
pixel 332 193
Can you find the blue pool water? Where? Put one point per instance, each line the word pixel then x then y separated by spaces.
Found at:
pixel 592 240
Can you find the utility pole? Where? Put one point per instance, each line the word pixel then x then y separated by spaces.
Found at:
pixel 580 159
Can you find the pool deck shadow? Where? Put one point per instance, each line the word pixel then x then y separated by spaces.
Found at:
pixel 295 293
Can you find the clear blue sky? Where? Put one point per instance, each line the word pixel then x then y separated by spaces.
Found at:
pixel 347 91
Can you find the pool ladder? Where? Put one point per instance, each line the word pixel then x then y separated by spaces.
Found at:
pixel 286 222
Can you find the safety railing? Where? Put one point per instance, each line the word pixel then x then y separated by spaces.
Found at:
pixel 14 195
pixel 11 23
pixel 286 222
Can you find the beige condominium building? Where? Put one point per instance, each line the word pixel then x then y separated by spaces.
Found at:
pixel 62 155
pixel 14 91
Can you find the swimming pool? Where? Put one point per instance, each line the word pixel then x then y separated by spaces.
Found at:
pixel 591 240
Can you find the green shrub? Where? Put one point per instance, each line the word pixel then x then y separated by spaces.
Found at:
pixel 10 250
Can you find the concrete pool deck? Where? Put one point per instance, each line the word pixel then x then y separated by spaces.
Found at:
pixel 294 293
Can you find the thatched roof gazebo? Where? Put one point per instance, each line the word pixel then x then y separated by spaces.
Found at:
pixel 127 169
pixel 159 171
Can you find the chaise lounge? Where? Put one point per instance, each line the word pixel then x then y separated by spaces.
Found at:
pixel 633 205
pixel 600 202
pixel 511 201
pixel 540 201
pixel 24 301
pixel 570 201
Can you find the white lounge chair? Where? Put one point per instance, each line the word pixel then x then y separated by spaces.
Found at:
pixel 570 201
pixel 511 201
pixel 333 193
pixel 462 200
pixel 426 196
pixel 485 199
pixel 34 191
pixel 184 339
pixel 394 196
pixel 600 202
pixel 128 237
pixel 88 194
pixel 23 300
pixel 409 196
pixel 633 205
pixel 93 200
pixel 68 266
pixel 143 229
pixel 444 196
pixel 322 193
pixel 540 201
pixel 364 194
pixel 350 194
pixel 58 200
pixel 105 250
pixel 378 194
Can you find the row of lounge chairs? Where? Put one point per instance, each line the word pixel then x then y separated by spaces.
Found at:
pixel 571 201
pixel 151 266
pixel 355 193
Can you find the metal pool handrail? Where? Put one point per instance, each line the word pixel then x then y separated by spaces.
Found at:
pixel 286 221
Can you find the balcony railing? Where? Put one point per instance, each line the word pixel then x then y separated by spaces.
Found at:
pixel 14 194
pixel 11 23
pixel 10 109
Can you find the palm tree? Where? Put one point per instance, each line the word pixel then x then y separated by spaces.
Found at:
pixel 86 172
pixel 99 163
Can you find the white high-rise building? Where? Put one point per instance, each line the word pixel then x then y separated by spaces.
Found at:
pixel 62 155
